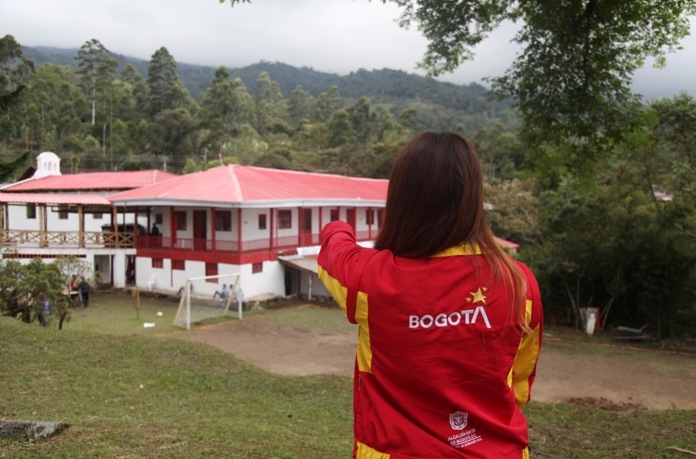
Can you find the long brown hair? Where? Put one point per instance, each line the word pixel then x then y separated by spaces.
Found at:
pixel 435 201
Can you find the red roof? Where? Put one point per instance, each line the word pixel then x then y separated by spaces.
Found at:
pixel 122 180
pixel 249 184
pixel 54 198
pixel 507 244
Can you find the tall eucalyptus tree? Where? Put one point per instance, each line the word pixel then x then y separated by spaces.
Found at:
pixel 300 106
pixel 96 69
pixel 270 103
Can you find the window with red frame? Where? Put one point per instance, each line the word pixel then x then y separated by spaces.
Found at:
pixel 334 215
pixel 179 265
pixel 223 221
pixel 262 221
pixel 180 220
pixel 211 269
pixel 284 219
pixel 157 263
pixel 256 268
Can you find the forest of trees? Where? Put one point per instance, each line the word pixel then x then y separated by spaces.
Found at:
pixel 617 230
pixel 98 110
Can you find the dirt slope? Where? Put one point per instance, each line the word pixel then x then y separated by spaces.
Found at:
pixel 609 377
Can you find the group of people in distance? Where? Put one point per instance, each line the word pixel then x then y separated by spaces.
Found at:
pixel 224 293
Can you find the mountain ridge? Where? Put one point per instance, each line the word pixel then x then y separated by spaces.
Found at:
pixel 383 86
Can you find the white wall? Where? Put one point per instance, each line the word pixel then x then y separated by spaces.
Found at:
pixel 250 224
pixel 270 281
pixel 318 288
pixel 119 264
pixel 17 219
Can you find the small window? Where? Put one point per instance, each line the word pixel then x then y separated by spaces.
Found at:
pixel 158 219
pixel 284 219
pixel 31 211
pixel 334 215
pixel 63 213
pixel 223 221
pixel 211 269
pixel 97 216
pixel 256 268
pixel 179 265
pixel 370 217
pixel 262 221
pixel 157 263
pixel 180 220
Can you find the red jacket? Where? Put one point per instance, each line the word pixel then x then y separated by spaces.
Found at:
pixel 442 368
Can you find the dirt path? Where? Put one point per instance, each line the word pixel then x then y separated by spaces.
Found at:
pixel 609 377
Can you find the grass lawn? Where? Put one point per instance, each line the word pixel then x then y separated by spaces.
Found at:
pixel 131 392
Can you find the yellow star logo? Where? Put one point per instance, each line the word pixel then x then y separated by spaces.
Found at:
pixel 478 296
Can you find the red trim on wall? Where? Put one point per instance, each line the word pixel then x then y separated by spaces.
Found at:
pixel 239 229
pixel 213 226
pixel 232 258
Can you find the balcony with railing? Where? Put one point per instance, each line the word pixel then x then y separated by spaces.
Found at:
pixel 164 246
pixel 190 248
pixel 18 239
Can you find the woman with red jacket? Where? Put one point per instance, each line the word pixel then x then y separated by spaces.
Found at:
pixel 450 326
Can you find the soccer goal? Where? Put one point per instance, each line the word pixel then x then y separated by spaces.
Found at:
pixel 201 299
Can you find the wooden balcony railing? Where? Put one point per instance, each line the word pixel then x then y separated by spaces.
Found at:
pixel 99 239
pixel 63 239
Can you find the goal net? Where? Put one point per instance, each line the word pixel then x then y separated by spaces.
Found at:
pixel 208 297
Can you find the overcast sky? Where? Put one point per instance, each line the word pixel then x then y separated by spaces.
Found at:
pixel 335 36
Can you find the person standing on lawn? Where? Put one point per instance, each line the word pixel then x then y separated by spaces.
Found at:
pixel 83 288
pixel 450 326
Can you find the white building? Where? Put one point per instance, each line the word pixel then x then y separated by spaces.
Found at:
pixel 51 215
pixel 262 224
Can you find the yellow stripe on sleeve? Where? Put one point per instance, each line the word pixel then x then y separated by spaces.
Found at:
pixel 364 351
pixel 365 452
pixel 525 361
pixel 334 287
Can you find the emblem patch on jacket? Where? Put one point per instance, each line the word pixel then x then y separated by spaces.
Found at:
pixel 459 420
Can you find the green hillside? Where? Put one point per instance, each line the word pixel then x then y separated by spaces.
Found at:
pixel 381 86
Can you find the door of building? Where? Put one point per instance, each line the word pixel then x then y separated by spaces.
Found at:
pixel 200 230
pixel 350 218
pixel 306 229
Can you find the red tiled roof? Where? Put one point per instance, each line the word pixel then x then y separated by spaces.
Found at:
pixel 122 180
pixel 54 198
pixel 507 244
pixel 248 184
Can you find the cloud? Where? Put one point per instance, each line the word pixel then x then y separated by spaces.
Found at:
pixel 336 36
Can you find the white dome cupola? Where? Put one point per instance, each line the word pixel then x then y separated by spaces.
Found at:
pixel 47 163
